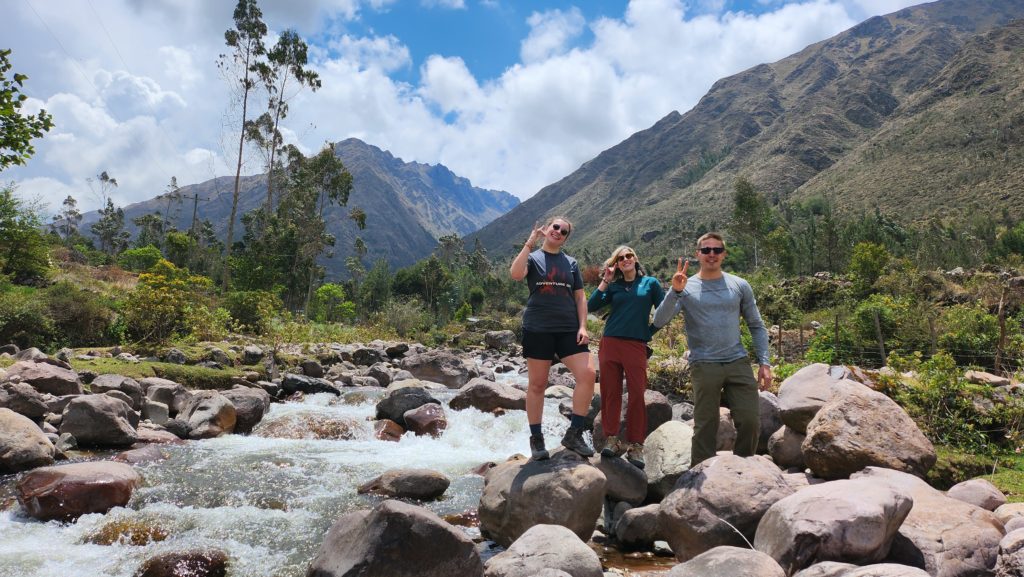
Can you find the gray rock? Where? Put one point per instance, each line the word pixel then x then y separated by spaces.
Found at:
pixel 826 569
pixel 667 456
pixel 46 378
pixel 487 396
pixel 252 355
pixel 771 419
pixel 624 482
pixel 250 406
pixel 381 373
pixel 397 540
pixel 419 484
pixel 500 340
pixel 1011 555
pixel 292 383
pixel 397 402
pixel 99 420
pixel 979 492
pixel 209 414
pixel 545 547
pixel 807 390
pixel 639 528
pixel 126 385
pixel 727 561
pixel 23 445
pixel 23 399
pixel 440 366
pixel 367 356
pixel 784 447
pixel 312 368
pixel 175 356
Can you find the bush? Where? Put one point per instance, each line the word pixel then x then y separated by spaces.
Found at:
pixel 158 308
pixel 25 319
pixel 80 317
pixel 252 311
pixel 139 259
pixel 330 305
pixel 406 316
pixel 970 334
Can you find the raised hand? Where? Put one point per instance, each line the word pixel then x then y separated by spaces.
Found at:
pixel 609 274
pixel 679 279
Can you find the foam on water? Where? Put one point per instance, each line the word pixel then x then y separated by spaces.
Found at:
pixel 267 502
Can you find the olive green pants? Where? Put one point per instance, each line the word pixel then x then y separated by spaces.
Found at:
pixel 736 381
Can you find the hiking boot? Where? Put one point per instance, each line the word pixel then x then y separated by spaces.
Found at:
pixel 613 447
pixel 537 450
pixel 635 455
pixel 573 440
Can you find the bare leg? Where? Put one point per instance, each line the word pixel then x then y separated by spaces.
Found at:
pixel 537 373
pixel 584 374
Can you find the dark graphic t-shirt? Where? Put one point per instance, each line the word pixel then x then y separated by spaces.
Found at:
pixel 553 280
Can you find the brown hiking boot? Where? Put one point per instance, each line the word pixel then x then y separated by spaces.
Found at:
pixel 537 450
pixel 613 447
pixel 573 440
pixel 635 455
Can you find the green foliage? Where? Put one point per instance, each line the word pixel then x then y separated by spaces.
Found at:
pixel 16 129
pixel 80 318
pixel 330 305
pixel 464 312
pixel 406 316
pixel 109 230
pixel 24 254
pixel 970 334
pixel 139 259
pixel 252 311
pixel 160 306
pixel 195 377
pixel 866 265
pixel 24 318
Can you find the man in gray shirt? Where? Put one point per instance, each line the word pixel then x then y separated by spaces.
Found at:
pixel 712 302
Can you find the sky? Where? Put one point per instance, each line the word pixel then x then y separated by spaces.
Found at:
pixel 511 94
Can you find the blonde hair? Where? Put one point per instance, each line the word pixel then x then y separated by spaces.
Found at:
pixel 613 261
pixel 711 236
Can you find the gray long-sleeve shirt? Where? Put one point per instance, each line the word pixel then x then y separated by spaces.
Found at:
pixel 712 309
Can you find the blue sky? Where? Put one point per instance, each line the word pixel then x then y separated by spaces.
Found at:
pixel 513 95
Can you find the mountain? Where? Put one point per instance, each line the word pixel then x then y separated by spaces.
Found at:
pixel 918 113
pixel 408 206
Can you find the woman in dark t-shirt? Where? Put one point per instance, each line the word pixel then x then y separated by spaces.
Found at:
pixel 554 324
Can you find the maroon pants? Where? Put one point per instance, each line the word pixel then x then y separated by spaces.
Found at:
pixel 618 357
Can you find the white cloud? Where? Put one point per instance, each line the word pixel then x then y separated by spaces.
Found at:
pixel 158 108
pixel 551 33
pixel 452 4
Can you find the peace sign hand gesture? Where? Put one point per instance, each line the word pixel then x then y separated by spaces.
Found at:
pixel 679 279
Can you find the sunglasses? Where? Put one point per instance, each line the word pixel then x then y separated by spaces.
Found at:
pixel 711 249
pixel 562 229
pixel 627 256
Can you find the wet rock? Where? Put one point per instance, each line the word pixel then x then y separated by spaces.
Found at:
pixel 308 426
pixel 292 383
pixel 388 430
pixel 250 406
pixel 66 492
pixel 311 368
pixel 518 494
pixel 544 547
pixel 23 445
pixel 148 454
pixel 728 561
pixel 127 532
pixel 720 502
pixel 486 396
pixel 419 484
pixel 209 414
pixel 397 540
pixel 399 401
pixel 99 420
pixel 428 419
pixel 46 378
pixel 191 563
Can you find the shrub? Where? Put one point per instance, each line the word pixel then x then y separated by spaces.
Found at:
pixel 80 317
pixel 252 311
pixel 139 259
pixel 970 334
pixel 157 309
pixel 24 319
pixel 405 316
pixel 330 305
pixel 464 312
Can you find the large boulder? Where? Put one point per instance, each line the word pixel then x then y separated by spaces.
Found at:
pixel 807 390
pixel 639 527
pixel 166 391
pixel 250 406
pixel 23 445
pixel 126 385
pixel 66 492
pixel 310 426
pixel 209 414
pixel 624 482
pixel 428 419
pixel 440 366
pixel 785 447
pixel 727 561
pixel 419 484
pixel 545 547
pixel 771 419
pixel 518 494
pixel 46 378
pixel 292 383
pixel 865 428
pixel 500 340
pixel 941 535
pixel 23 399
pixel 399 401
pixel 487 396
pixel 853 521
pixel 395 539
pixel 667 456
pixel 886 570
pixel 1011 555
pixel 99 420
pixel 657 407
pixel 826 569
pixel 720 502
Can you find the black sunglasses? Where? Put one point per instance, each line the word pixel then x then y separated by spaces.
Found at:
pixel 711 249
pixel 562 229
pixel 623 257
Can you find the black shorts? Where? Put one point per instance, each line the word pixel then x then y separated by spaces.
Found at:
pixel 545 346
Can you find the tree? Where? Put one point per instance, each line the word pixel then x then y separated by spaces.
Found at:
pixel 245 64
pixel 109 229
pixel 16 129
pixel 171 194
pixel 65 222
pixel 751 215
pixel 151 230
pixel 286 61
pixel 23 253
pixel 106 184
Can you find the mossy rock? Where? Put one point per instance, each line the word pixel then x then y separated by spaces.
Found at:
pixel 197 377
pixel 127 532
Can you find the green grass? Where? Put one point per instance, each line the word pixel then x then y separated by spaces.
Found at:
pixel 1009 476
pixel 190 376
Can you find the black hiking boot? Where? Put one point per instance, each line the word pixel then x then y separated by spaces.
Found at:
pixel 537 450
pixel 573 440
